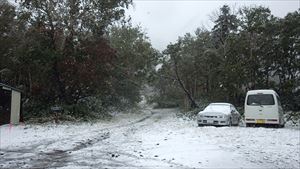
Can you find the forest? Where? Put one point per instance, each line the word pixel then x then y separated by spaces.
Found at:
pixel 87 57
pixel 245 50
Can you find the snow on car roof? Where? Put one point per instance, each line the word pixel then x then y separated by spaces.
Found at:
pixel 218 107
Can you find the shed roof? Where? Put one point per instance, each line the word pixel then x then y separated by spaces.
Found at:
pixel 10 87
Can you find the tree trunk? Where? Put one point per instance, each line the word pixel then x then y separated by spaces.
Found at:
pixel 190 97
pixel 30 81
pixel 57 81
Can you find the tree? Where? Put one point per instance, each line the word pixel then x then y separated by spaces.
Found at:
pixel 225 39
pixel 175 55
pixel 287 64
pixel 248 50
pixel 61 55
pixel 65 26
pixel 136 61
pixel 7 22
pixel 258 44
pixel 225 25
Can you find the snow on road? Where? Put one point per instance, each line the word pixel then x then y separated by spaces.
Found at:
pixel 149 139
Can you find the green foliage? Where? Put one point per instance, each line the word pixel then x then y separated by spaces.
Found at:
pixel 135 63
pixel 87 109
pixel 67 53
pixel 171 98
pixel 248 50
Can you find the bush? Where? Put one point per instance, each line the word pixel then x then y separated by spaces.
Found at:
pixel 166 104
pixel 192 114
pixel 87 109
pixel 292 116
pixel 241 110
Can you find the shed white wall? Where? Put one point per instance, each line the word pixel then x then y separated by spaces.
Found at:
pixel 15 107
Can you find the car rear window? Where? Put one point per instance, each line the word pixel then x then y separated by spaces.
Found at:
pixel 260 99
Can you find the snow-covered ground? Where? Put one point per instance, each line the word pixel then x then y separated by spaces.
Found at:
pixel 149 139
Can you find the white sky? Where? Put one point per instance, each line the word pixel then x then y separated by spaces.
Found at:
pixel 165 20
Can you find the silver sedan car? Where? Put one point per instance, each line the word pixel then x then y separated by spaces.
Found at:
pixel 219 114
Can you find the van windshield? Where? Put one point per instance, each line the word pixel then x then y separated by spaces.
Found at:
pixel 260 99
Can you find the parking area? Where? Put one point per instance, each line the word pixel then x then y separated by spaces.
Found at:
pixel 149 139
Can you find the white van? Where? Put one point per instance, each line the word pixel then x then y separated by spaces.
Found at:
pixel 263 107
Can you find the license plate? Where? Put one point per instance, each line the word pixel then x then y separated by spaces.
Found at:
pixel 209 121
pixel 260 121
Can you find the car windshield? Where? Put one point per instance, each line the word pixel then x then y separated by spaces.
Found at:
pixel 260 99
pixel 217 108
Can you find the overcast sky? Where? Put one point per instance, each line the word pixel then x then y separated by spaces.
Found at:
pixel 165 20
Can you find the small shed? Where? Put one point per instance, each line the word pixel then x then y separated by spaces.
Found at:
pixel 10 105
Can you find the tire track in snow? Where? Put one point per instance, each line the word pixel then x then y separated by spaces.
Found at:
pixel 29 156
pixel 133 128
